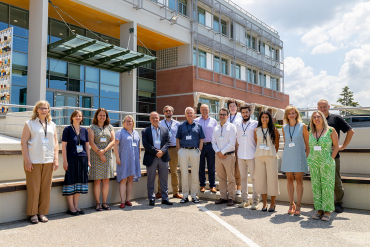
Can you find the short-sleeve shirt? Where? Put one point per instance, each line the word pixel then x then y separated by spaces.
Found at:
pixel 194 130
pixel 69 136
pixel 339 124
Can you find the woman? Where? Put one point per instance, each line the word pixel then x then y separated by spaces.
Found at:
pixel 76 160
pixel 40 154
pixel 322 165
pixel 295 154
pixel 127 152
pixel 266 167
pixel 234 118
pixel 101 138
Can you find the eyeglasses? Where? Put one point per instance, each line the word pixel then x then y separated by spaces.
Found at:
pixel 222 115
pixel 43 108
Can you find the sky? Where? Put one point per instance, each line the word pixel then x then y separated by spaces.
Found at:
pixel 326 46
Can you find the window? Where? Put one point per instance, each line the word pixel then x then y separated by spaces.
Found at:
pixel 20 60
pixel 19 21
pixel 4 16
pixel 181 6
pixel 58 31
pixel 20 44
pixel 261 47
pixel 201 16
pixel 202 58
pixel 213 105
pixel 216 24
pixel 253 43
pixel 237 70
pixel 58 68
pixel 262 80
pixel 232 31
pixel 251 77
pixel 256 113
pixel 76 71
pixel 223 27
pixel 92 74
pixel 109 77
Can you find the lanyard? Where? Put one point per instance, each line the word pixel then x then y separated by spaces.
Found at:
pixel 169 128
pixel 133 136
pixel 246 127
pixel 156 131
pixel 232 119
pixel 79 134
pixel 264 135
pixel 221 129
pixel 188 128
pixel 317 139
pixel 291 134
pixel 46 127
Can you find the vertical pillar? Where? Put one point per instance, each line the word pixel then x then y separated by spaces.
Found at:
pixel 37 51
pixel 128 80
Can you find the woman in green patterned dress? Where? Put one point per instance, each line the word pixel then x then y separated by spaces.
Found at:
pixel 101 138
pixel 322 165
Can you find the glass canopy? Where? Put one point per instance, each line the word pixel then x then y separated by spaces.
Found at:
pixel 86 51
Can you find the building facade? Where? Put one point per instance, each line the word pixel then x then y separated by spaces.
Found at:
pixel 208 51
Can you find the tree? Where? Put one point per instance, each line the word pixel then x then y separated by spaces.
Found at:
pixel 347 99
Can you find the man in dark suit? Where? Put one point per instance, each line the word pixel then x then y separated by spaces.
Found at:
pixel 156 141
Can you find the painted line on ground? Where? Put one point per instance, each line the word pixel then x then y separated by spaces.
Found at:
pixel 246 240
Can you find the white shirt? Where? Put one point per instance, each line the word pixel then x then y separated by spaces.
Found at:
pixel 227 142
pixel 247 144
pixel 235 119
pixel 172 127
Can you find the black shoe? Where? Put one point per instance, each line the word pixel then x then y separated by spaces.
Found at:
pixel 338 207
pixel 184 200
pixel 272 209
pixel 72 213
pixel 306 174
pixel 81 212
pixel 151 202
pixel 167 202
pixel 264 209
pixel 195 200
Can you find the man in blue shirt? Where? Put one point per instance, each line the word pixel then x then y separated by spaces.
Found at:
pixel 189 144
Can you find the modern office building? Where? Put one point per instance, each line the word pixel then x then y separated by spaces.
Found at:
pixel 73 52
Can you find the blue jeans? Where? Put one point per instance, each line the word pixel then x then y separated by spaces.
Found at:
pixel 209 154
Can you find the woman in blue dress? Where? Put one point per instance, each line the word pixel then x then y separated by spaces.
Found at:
pixel 296 150
pixel 127 152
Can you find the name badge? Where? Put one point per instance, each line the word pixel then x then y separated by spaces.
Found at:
pixel 188 137
pixel 170 134
pixel 79 148
pixel 221 138
pixel 267 148
pixel 244 137
pixel 291 144
pixel 317 148
pixel 157 142
pixel 45 141
pixel 103 139
pixel 134 144
pixel 262 147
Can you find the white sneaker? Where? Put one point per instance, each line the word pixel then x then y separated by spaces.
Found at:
pixel 243 205
pixel 238 192
pixel 254 206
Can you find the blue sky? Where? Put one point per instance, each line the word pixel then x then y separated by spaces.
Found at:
pixel 326 46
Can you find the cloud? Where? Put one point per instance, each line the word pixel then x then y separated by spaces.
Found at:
pixel 314 37
pixel 323 48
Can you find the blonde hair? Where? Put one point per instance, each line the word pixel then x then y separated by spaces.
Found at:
pixel 286 113
pixel 133 121
pixel 37 106
pixel 324 122
pixel 322 101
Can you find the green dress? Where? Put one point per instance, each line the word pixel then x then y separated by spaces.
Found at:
pixel 322 168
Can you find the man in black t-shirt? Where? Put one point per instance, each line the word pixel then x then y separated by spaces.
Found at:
pixel 338 123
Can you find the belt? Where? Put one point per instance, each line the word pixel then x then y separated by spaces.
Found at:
pixel 189 147
pixel 171 146
pixel 207 143
pixel 229 152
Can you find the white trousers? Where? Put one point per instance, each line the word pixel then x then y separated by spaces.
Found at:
pixel 244 165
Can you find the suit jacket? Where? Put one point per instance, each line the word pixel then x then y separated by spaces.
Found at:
pixel 150 150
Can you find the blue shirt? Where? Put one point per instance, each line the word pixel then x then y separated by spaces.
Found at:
pixel 156 133
pixel 207 126
pixel 71 138
pixel 194 130
pixel 172 127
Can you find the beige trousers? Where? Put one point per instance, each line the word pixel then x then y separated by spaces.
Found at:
pixel 225 169
pixel 237 170
pixel 244 164
pixel 266 175
pixel 192 156
pixel 38 183
pixel 173 168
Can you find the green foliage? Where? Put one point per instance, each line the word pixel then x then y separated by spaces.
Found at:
pixel 347 99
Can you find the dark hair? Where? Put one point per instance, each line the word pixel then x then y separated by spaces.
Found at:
pixel 271 125
pixel 230 101
pixel 74 114
pixel 245 107
pixel 95 119
pixel 224 109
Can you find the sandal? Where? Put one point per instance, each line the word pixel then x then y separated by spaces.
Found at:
pixel 98 207
pixel 43 219
pixel 298 212
pixel 317 216
pixel 325 217
pixel 293 209
pixel 106 207
pixel 34 219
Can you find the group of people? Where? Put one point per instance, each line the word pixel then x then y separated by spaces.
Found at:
pixel 235 147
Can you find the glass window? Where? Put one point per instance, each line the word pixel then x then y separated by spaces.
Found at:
pixel 76 71
pixel 223 26
pixel 58 30
pixel 237 71
pixel 216 24
pixel 110 40
pixel 96 102
pixel 19 77
pixel 4 16
pixel 182 6
pixel 217 64
pixel 109 77
pixel 58 83
pixel 253 42
pixel 19 20
pixel 224 66
pixel 93 36
pixel 19 97
pixel 20 60
pixel 92 88
pixel 111 104
pixel 232 31
pixel 58 67
pixel 202 59
pixel 201 16
pixel 146 85
pixel 20 44
pixel 262 80
pixel 214 106
pixel 92 74
pixel 256 113
pixel 76 85
pixel 50 98
pixel 78 30
pixel 109 91
pixel 146 96
pixel 147 73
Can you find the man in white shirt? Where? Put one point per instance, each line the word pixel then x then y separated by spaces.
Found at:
pixel 172 125
pixel 223 143
pixel 246 150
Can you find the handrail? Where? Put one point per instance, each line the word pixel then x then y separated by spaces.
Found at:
pixel 337 109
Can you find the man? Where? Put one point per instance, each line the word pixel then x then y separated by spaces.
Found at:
pixel 246 150
pixel 172 125
pixel 223 143
pixel 208 124
pixel 189 144
pixel 338 123
pixel 156 141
